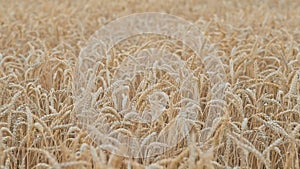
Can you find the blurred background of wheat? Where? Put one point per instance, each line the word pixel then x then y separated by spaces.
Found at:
pixel 260 43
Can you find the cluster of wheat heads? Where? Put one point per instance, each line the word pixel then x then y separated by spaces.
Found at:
pixel 257 42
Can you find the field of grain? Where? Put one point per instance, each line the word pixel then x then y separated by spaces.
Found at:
pixel 257 42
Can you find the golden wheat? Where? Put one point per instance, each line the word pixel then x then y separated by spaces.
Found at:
pixel 258 125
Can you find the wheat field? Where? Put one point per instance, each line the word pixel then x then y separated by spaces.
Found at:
pixel 258 43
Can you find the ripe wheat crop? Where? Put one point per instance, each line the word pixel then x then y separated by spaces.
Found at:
pixel 258 43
